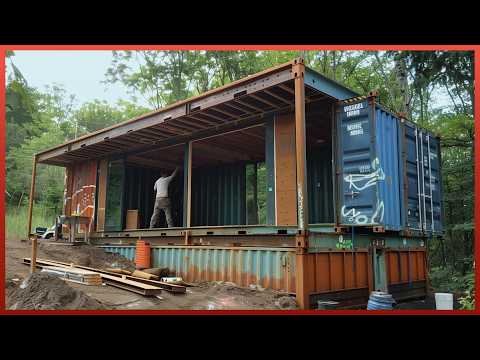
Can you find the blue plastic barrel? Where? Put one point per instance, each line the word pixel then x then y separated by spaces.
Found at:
pixel 380 301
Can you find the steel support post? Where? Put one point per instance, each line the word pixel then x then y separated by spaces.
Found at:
pixel 302 289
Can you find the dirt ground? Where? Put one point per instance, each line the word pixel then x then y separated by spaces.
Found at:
pixel 200 296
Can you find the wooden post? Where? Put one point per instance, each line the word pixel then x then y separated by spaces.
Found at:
pixel 187 185
pixel 32 195
pixel 33 260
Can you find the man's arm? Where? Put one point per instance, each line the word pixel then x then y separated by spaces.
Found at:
pixel 173 174
pixel 155 186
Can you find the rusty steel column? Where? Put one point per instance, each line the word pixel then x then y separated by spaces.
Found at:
pixel 32 194
pixel 303 289
pixel 187 185
pixel 300 145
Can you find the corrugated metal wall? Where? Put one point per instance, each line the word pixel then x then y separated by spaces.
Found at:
pixel 405 266
pixel 357 177
pixel 126 251
pixel 268 267
pixel 389 154
pixel 218 195
pixel 337 270
pixel 330 273
pixel 320 185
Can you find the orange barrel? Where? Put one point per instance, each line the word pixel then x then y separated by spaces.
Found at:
pixel 142 255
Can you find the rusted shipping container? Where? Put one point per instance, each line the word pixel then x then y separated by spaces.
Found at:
pixel 287 180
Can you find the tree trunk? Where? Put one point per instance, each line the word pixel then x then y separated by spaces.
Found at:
pixel 401 74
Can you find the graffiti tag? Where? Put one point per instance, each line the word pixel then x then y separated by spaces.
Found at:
pixel 361 182
pixel 368 177
pixel 300 207
pixel 357 217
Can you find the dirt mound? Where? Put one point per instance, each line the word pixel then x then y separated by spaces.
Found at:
pixel 41 291
pixel 286 302
pixel 85 255
pixel 227 294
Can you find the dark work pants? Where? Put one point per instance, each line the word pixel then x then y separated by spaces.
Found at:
pixel 161 204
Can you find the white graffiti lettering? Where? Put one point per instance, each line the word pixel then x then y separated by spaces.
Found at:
pixel 364 168
pixel 300 207
pixel 368 179
pixel 357 217
pixel 377 216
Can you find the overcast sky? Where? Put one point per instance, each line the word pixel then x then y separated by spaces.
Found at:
pixel 81 73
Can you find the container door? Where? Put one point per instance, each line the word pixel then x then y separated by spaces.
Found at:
pixel 414 185
pixel 423 188
pixel 431 182
pixel 357 166
pixel 114 209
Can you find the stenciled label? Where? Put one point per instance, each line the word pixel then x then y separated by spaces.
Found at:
pixel 355 129
pixel 353 110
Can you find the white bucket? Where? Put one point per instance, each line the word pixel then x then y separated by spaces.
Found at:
pixel 444 301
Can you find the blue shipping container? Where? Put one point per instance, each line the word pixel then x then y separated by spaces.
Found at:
pixel 388 170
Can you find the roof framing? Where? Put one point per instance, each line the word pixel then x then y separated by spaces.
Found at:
pixel 253 96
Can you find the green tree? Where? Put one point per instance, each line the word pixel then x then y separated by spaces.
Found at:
pixel 96 115
pixel 160 77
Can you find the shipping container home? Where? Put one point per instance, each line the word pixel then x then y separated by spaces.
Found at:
pixel 287 180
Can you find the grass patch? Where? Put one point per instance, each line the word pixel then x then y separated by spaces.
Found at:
pixel 16 220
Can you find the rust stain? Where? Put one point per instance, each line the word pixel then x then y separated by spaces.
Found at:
pixel 244 279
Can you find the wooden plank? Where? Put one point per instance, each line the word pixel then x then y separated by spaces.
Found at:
pixel 74 270
pixel 121 282
pixel 130 282
pixel 132 289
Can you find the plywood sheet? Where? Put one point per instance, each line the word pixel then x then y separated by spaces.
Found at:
pixel 285 170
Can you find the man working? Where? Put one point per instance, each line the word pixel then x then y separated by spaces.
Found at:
pixel 162 202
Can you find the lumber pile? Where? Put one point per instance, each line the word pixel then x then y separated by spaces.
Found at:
pixel 80 276
pixel 119 271
pixel 144 275
pixel 142 286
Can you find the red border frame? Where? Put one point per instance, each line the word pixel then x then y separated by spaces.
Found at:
pixel 3 48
